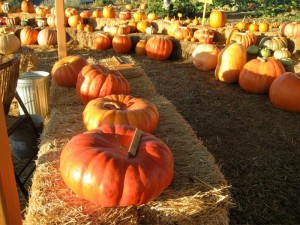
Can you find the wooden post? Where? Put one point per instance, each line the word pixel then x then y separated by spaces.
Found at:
pixel 9 200
pixel 204 9
pixel 61 30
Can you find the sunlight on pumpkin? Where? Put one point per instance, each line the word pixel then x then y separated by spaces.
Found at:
pixel 87 178
pixel 76 174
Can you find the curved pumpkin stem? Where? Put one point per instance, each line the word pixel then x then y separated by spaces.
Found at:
pixel 114 104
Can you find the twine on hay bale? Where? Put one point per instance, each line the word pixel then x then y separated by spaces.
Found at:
pixel 198 194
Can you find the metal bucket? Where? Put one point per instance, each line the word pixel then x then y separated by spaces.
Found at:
pixel 34 89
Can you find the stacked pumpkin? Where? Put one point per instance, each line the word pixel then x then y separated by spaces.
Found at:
pixel 116 122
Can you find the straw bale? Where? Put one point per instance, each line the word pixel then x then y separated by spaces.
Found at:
pixel 29 60
pixel 198 194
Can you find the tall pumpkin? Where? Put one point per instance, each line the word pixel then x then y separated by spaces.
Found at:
pixel 217 18
pixel 159 48
pixel 47 37
pixel 205 57
pixel 9 43
pixel 96 81
pixel 96 166
pixel 258 74
pixel 27 6
pixel 65 71
pixel 285 92
pixel 121 109
pixel 121 44
pixel 108 12
pixel 231 60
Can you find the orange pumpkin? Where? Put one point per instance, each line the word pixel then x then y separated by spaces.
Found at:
pixel 86 14
pixel 80 26
pixel 65 71
pixel 205 57
pixel 290 29
pixel 42 11
pixel 73 21
pixel 263 27
pixel 121 44
pixel 96 81
pixel 152 16
pixel 121 109
pixel 182 32
pixel 203 32
pixel 246 39
pixel 27 6
pixel 129 7
pixel 217 18
pixel 133 26
pixel 47 37
pixel 143 6
pixel 159 48
pixel 140 48
pixel 88 28
pixel 253 27
pixel 97 14
pixel 138 15
pixel 108 12
pixel 142 26
pixel 285 92
pixel 172 27
pixel 125 15
pixel 28 36
pixel 102 42
pixel 243 25
pixel 258 74
pixel 231 60
pixel 71 12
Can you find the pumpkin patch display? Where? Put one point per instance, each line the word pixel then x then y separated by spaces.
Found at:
pixel 95 165
pixel 231 60
pixel 96 81
pixel 285 92
pixel 121 109
pixel 159 48
pixel 258 74
pixel 205 57
pixel 65 71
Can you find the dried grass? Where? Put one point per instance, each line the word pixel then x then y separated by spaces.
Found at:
pixel 198 194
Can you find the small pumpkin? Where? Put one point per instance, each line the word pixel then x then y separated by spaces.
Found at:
pixel 152 16
pixel 125 15
pixel 85 14
pixel 65 71
pixel 121 109
pixel 80 26
pixel 96 13
pixel 42 10
pixel 195 21
pixel 172 27
pixel 282 53
pixel 88 28
pixel 265 52
pixel 133 26
pixel 258 74
pixel 47 37
pixel 102 42
pixel 74 20
pixel 263 27
pixel 285 92
pixel 28 36
pixel 205 57
pixel 124 180
pixel 253 27
pixel 203 32
pixel 182 32
pixel 27 6
pixel 243 25
pixel 96 81
pixel 231 60
pixel 159 48
pixel 253 50
pixel 108 12
pixel 70 11
pixel 140 48
pixel 142 26
pixel 9 43
pixel 143 6
pixel 121 44
pixel 217 18
pixel 139 15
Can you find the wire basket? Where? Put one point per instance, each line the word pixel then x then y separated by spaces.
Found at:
pixel 9 75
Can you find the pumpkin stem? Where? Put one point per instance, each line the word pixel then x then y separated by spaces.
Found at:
pixel 110 104
pixel 262 59
pixel 134 142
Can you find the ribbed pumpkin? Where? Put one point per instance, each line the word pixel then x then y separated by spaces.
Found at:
pixel 9 43
pixel 205 57
pixel 282 53
pixel 96 81
pixel 258 74
pixel 159 48
pixel 27 6
pixel 182 32
pixel 13 21
pixel 71 12
pixel 121 44
pixel 47 37
pixel 42 10
pixel 273 43
pixel 28 36
pixel 121 109
pixel 142 25
pixel 203 32
pixel 140 48
pixel 285 92
pixel 290 29
pixel 231 60
pixel 102 42
pixel 246 39
pixel 65 71
pixel 108 12
pixel 217 18
pixel 95 166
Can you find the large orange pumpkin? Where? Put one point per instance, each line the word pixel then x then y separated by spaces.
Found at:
pixel 290 29
pixel 28 36
pixel 121 109
pixel 95 166
pixel 231 60
pixel 121 44
pixel 108 12
pixel 217 18
pixel 258 74
pixel 102 42
pixel 96 81
pixel 65 71
pixel 27 6
pixel 47 37
pixel 205 57
pixel 159 48
pixel 285 92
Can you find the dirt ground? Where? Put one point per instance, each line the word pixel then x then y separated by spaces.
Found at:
pixel 256 145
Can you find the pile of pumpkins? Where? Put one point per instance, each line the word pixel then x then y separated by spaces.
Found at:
pixel 117 161
pixel 265 74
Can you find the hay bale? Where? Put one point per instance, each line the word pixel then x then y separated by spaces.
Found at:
pixel 198 194
pixel 29 60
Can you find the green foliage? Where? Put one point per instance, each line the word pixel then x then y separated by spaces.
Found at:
pixel 14 3
pixel 103 2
